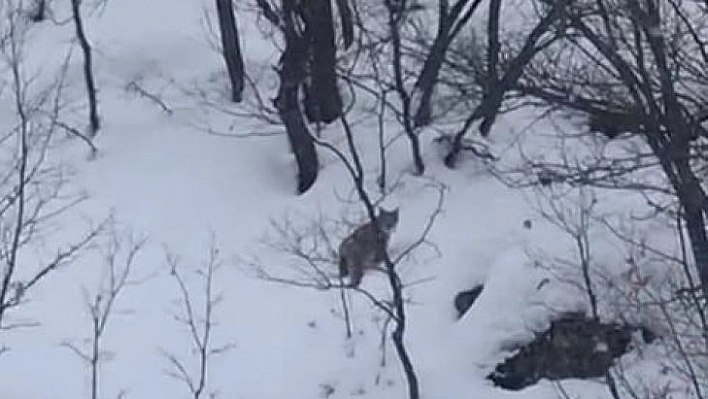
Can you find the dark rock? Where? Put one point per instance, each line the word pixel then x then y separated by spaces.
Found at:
pixel 573 347
pixel 465 299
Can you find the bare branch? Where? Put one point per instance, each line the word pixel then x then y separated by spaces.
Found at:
pixel 199 322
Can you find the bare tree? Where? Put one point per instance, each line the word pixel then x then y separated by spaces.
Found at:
pixel 32 189
pixel 576 221
pixel 196 313
pixel 322 102
pixel 100 305
pixel 231 47
pixel 448 70
pixel 94 122
pixel 651 281
pixel 318 262
pixel 396 13
pixel 356 173
pixel 292 73
pixel 39 13
pixel 307 71
pixel 652 286
pixel 451 21
pixel 496 88
pixel 643 73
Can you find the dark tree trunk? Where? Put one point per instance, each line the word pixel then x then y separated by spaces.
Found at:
pixel 493 98
pixel 494 95
pixel 231 49
pixel 347 21
pixel 323 101
pixel 426 83
pixel 398 338
pixel 88 68
pixel 397 310
pixel 394 22
pixel 493 48
pixel 654 94
pixel 674 157
pixel 688 187
pixel 40 11
pixel 292 73
pixel 692 199
pixel 451 23
pixel 300 138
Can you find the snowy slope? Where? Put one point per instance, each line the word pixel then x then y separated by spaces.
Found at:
pixel 168 180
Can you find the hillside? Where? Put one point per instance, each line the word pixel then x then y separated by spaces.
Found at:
pixel 164 173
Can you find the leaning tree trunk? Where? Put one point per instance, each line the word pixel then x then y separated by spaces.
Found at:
pixel 493 97
pixel 230 47
pixel 292 73
pixel 451 23
pixel 88 68
pixel 323 103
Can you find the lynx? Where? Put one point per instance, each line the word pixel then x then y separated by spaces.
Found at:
pixel 364 249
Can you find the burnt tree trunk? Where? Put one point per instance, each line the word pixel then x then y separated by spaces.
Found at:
pixel 323 102
pixel 292 73
pixel 94 123
pixel 230 47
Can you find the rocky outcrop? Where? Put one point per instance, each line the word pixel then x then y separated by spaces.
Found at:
pixel 573 347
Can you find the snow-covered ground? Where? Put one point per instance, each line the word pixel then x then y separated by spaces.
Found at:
pixel 166 179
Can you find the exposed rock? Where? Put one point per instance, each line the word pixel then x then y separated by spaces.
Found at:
pixel 465 299
pixel 573 347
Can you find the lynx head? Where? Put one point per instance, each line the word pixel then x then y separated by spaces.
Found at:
pixel 387 219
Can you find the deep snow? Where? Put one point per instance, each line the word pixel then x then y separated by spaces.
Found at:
pixel 168 180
